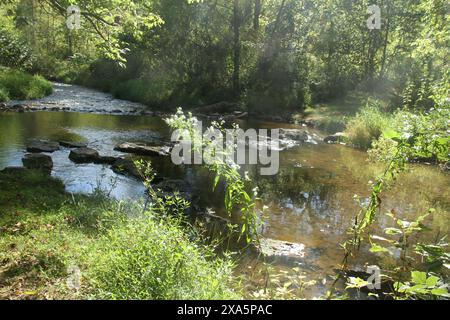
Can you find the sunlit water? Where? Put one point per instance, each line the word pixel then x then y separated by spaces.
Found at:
pixel 311 200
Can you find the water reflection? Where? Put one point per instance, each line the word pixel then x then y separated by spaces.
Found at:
pixel 310 201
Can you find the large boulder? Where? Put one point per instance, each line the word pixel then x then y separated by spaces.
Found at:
pixel 84 155
pixel 36 146
pixel 38 161
pixel 143 149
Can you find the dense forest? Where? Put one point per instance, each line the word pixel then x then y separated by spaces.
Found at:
pixel 359 89
pixel 268 56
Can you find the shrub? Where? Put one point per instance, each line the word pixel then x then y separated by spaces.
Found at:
pixel 14 53
pixel 144 91
pixel 424 136
pixel 22 86
pixel 152 258
pixel 367 126
pixel 3 95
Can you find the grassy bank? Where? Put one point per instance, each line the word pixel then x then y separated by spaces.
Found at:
pixel 371 123
pixel 57 246
pixel 17 85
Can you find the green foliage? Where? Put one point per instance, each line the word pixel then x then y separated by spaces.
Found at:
pixel 423 286
pixel 151 258
pixel 425 136
pixel 156 92
pixel 3 95
pixel 14 52
pixel 120 252
pixel 429 284
pixel 367 126
pixel 22 86
pixel 219 160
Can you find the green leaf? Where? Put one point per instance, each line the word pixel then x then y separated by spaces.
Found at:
pixel 392 231
pixel 432 281
pixel 419 277
pixel 440 292
pixel 377 248
pixel 391 134
pixel 356 283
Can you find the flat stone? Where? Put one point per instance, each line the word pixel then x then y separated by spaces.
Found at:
pixel 38 161
pixel 84 155
pixel 36 146
pixel 143 149
pixel 71 144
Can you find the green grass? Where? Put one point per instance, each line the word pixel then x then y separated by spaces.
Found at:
pixel 332 117
pixel 18 85
pixel 367 126
pixel 120 252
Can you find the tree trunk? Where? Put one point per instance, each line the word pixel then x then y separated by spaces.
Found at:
pixel 257 15
pixel 236 48
pixel 385 44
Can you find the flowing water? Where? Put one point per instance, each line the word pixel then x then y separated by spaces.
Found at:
pixel 311 201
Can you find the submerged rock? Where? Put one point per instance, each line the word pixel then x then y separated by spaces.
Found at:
pixel 37 146
pixel 143 149
pixel 84 155
pixel 38 161
pixel 276 248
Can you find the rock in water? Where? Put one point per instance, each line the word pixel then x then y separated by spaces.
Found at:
pixel 38 161
pixel 84 155
pixel 106 160
pixel 276 248
pixel 37 146
pixel 70 144
pixel 294 134
pixel 334 138
pixel 126 167
pixel 143 149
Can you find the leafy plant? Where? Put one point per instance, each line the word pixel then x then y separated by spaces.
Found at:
pixel 219 160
